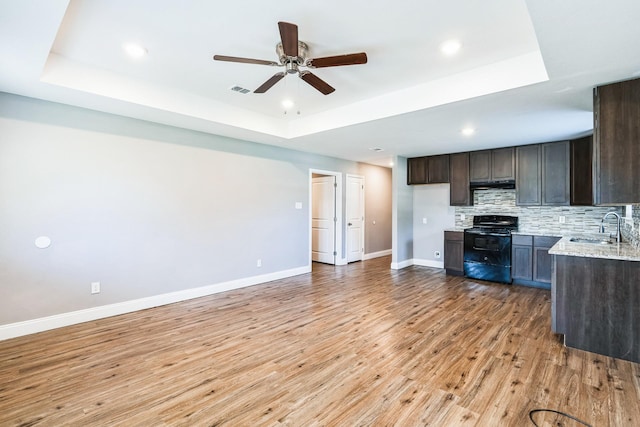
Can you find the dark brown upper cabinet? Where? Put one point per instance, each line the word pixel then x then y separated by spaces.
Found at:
pixel 417 170
pixel 428 170
pixel 616 151
pixel 492 165
pixel 438 169
pixel 480 166
pixel 555 173
pixel 529 173
pixel 543 174
pixel 581 171
pixel 459 192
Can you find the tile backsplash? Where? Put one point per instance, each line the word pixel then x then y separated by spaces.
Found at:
pixel 545 219
pixel 631 229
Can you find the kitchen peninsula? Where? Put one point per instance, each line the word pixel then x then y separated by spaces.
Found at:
pixel 595 297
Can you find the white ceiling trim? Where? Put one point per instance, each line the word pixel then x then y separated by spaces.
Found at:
pixel 513 73
pixel 63 72
pixel 520 71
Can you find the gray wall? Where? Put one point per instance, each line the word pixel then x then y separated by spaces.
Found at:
pixel 431 202
pixel 143 208
pixel 402 206
pixel 377 201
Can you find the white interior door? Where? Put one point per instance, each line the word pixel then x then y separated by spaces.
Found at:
pixel 323 219
pixel 355 217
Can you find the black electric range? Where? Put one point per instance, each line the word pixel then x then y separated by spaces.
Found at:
pixel 487 248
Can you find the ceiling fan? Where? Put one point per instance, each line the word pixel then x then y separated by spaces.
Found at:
pixel 292 55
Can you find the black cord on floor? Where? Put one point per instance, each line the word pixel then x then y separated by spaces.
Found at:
pixel 533 411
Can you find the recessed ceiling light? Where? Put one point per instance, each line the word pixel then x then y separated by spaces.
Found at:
pixel 134 50
pixel 450 47
pixel 287 103
pixel 468 131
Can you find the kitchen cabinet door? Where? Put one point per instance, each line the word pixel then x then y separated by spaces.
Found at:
pixel 480 166
pixel 542 261
pixel 438 169
pixel 459 192
pixel 555 174
pixel 522 257
pixel 454 252
pixel 528 173
pixel 492 165
pixel 417 170
pixel 616 150
pixel 503 164
pixel 581 171
pixel 428 170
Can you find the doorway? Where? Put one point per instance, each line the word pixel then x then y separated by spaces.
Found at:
pixel 325 217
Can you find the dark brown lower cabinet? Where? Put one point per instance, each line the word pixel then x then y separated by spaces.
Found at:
pixel 531 264
pixel 454 252
pixel 595 303
pixel 521 257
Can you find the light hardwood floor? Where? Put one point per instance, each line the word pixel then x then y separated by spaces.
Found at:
pixel 357 345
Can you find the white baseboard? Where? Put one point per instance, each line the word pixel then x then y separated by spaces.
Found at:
pixel 419 262
pixel 27 327
pixel 379 254
pixel 402 264
pixel 428 263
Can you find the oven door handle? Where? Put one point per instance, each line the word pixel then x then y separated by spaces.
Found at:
pixel 485 249
pixel 487 233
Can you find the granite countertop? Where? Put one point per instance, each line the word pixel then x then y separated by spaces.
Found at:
pixel 456 229
pixel 620 251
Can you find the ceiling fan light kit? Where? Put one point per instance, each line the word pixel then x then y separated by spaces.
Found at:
pixel 293 54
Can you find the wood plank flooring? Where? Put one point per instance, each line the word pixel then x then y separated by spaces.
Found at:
pixel 358 345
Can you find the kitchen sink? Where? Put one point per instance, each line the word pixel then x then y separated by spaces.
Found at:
pixel 591 240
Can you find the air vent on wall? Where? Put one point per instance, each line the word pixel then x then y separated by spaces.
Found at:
pixel 240 89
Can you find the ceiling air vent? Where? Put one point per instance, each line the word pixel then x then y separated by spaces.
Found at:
pixel 240 89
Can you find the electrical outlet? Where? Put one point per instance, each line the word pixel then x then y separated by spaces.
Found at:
pixel 437 254
pixel 95 287
pixel 259 263
pixel 561 219
pixel 463 217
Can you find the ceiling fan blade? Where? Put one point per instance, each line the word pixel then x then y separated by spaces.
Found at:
pixel 243 60
pixel 289 37
pixel 334 61
pixel 316 82
pixel 269 83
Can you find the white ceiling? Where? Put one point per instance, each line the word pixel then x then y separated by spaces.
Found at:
pixel 524 73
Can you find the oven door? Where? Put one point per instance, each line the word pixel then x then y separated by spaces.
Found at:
pixel 487 248
pixel 487 256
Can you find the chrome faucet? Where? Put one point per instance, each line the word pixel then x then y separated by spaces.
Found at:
pixel 617 228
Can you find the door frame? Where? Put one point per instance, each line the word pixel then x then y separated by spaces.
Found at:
pixel 340 257
pixel 362 202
